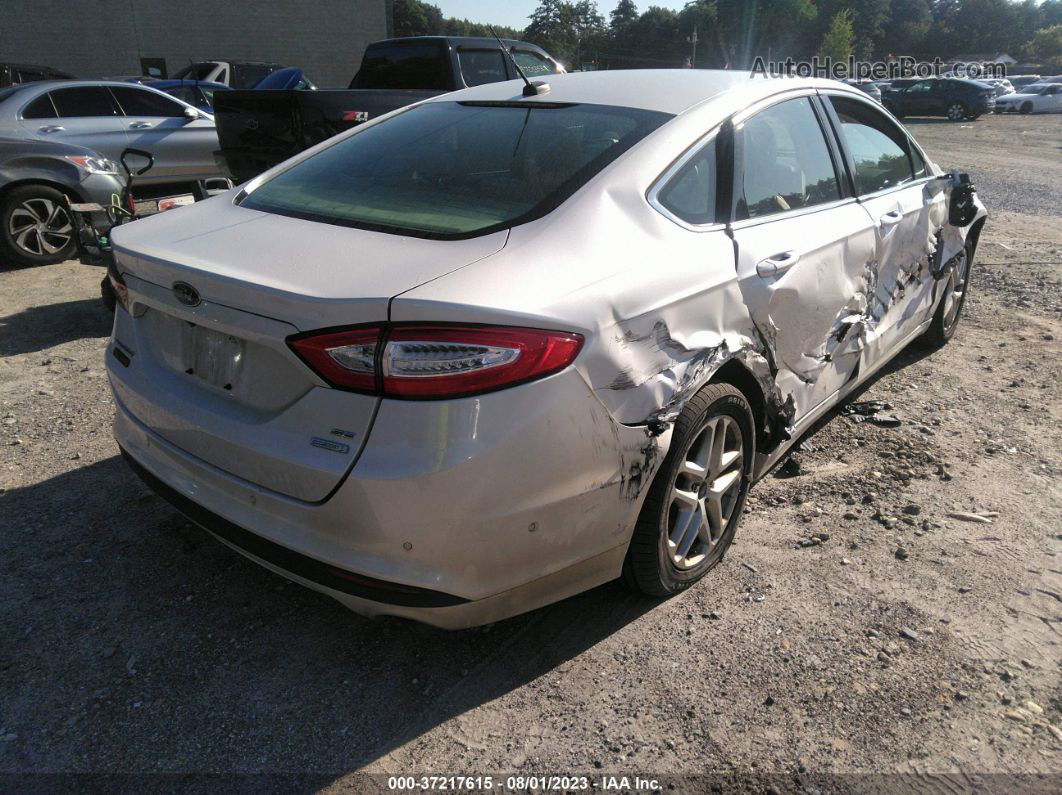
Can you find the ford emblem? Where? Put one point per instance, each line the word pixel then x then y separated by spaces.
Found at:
pixel 186 294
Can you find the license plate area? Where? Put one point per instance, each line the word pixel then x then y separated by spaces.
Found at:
pixel 212 356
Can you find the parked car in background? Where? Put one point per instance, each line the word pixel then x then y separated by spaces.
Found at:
pixel 258 129
pixel 234 74
pixel 36 179
pixel 497 349
pixel 13 74
pixel 955 98
pixel 109 117
pixel 868 87
pixel 194 92
pixel 1020 81
pixel 1037 98
pixel 1001 87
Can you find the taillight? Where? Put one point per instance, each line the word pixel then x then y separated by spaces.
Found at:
pixel 346 359
pixel 432 362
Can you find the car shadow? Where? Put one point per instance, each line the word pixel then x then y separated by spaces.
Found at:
pixel 40 327
pixel 172 652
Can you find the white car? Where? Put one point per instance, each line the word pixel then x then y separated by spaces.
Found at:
pixel 506 344
pixel 1037 98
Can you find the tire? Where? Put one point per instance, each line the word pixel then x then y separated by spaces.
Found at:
pixel 949 311
pixel 957 111
pixel 35 227
pixel 656 563
pixel 1026 107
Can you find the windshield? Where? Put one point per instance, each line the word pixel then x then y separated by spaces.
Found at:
pixel 450 169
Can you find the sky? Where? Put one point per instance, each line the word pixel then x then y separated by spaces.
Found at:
pixel 514 13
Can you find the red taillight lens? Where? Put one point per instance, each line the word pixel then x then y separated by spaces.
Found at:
pixel 453 361
pixel 345 359
pixel 432 362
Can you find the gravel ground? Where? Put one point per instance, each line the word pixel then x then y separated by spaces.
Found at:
pixel 858 626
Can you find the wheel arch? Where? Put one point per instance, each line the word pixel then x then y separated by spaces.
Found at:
pixel 737 375
pixel 66 190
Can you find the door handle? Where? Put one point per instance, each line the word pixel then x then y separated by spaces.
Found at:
pixel 779 263
pixel 140 125
pixel 891 218
pixel 53 128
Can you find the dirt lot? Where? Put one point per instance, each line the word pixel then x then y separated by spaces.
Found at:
pixel 135 643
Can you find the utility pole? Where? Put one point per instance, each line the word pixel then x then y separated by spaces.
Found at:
pixel 693 41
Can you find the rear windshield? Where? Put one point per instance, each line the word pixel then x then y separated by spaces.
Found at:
pixel 452 169
pixel 423 65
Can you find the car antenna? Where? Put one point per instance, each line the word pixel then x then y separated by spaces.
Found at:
pixel 530 89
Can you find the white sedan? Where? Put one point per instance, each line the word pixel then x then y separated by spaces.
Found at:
pixel 507 344
pixel 1036 98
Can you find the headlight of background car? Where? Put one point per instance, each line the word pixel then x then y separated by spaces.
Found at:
pixel 94 165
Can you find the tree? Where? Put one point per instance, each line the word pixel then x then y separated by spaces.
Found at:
pixel 839 42
pixel 552 29
pixel 699 15
pixel 414 18
pixel 909 22
pixel 589 28
pixel 1046 46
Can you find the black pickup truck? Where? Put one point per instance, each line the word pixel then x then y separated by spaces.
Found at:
pixel 258 129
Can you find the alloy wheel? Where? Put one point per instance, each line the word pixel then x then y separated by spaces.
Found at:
pixel 40 227
pixel 956 112
pixel 705 492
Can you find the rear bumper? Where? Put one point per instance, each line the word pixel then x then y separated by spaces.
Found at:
pixel 458 512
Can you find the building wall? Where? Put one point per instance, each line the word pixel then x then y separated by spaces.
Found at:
pixel 96 38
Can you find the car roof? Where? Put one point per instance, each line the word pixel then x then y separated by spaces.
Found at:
pixel 665 90
pixel 458 40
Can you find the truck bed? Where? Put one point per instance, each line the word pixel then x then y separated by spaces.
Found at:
pixel 259 129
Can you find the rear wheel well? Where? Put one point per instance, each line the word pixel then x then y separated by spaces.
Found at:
pixel 738 376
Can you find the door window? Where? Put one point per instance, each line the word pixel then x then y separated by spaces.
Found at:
pixel 690 194
pixel 250 76
pixel 31 75
pixel 785 162
pixel 40 108
pixel 138 102
pixel 482 66
pixel 532 64
pixel 878 147
pixel 921 88
pixel 83 101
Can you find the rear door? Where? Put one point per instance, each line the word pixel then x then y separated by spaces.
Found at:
pixel 82 115
pixel 892 181
pixel 156 123
pixel 803 248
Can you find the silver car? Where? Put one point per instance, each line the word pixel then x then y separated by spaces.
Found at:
pixel 492 349
pixel 108 117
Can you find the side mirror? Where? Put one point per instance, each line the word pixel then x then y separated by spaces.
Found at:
pixel 962 209
pixel 191 114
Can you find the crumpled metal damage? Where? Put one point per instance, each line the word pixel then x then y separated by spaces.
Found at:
pixel 662 358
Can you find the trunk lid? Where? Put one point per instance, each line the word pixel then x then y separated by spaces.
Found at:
pixel 217 379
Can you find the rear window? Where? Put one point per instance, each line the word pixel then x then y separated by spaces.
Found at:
pixel 450 170
pixel 405 66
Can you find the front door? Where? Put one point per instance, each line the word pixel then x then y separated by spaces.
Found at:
pixel 893 184
pixel 803 249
